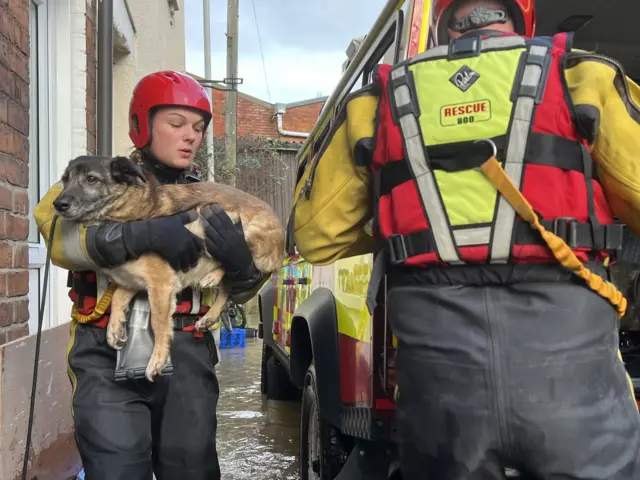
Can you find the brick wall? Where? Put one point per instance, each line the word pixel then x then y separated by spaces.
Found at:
pixel 14 169
pixel 302 118
pixel 256 117
pixel 91 76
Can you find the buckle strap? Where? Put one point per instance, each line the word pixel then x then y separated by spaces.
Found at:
pixel 575 234
pixel 542 149
pixel 401 247
pixel 180 322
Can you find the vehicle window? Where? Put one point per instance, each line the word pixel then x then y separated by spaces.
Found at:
pixel 384 53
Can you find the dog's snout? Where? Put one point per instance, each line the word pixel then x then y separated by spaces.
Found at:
pixel 61 204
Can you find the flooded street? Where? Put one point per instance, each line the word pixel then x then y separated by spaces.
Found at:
pixel 257 438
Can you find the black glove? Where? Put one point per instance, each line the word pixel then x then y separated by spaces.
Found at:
pixel 112 244
pixel 225 242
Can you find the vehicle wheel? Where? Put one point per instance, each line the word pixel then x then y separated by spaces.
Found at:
pixel 240 318
pixel 275 379
pixel 263 370
pixel 322 446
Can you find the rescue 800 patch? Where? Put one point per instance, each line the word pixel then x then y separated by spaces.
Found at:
pixel 465 113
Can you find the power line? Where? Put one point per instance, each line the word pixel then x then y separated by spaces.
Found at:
pixel 264 67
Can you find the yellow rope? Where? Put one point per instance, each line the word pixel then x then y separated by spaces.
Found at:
pixel 561 251
pixel 101 307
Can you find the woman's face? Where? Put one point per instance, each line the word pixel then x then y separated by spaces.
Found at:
pixel 176 136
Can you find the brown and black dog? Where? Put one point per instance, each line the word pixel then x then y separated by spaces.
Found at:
pixel 99 189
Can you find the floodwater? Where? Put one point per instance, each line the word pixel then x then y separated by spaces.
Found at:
pixel 257 438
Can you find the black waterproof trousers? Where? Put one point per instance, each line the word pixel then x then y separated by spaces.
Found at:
pixel 131 430
pixel 526 375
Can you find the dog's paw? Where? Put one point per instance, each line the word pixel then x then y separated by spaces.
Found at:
pixel 116 335
pixel 155 367
pixel 213 279
pixel 205 324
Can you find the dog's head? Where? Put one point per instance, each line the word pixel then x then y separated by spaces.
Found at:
pixel 91 183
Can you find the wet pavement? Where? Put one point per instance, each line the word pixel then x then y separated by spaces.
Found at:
pixel 257 438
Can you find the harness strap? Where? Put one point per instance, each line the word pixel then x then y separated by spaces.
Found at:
pixel 531 89
pixel 99 310
pixel 543 149
pixel 418 162
pixel 561 251
pixel 572 232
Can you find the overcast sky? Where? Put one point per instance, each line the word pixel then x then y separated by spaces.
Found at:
pixel 303 54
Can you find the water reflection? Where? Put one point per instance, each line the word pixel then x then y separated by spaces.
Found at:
pixel 257 438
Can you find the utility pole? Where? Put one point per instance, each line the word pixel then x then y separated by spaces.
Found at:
pixel 206 15
pixel 231 109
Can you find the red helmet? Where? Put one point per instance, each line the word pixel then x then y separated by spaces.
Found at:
pixel 523 13
pixel 167 88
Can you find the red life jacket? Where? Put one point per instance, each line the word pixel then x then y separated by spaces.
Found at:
pixel 84 290
pixel 434 206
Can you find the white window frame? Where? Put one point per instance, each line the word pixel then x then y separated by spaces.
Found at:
pixel 39 111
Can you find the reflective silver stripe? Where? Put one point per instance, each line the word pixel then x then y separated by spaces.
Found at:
pixel 72 245
pixel 102 282
pixel 472 236
pixel 516 148
pixel 424 176
pixel 195 303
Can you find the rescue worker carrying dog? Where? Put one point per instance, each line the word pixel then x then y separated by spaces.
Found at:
pixel 497 161
pixel 131 429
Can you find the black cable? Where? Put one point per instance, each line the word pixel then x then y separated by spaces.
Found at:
pixel 27 449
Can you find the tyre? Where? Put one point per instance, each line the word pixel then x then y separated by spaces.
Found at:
pixel 275 382
pixel 323 449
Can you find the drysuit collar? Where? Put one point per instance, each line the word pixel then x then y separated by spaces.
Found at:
pixel 162 172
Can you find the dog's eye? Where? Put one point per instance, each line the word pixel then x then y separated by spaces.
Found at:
pixel 92 179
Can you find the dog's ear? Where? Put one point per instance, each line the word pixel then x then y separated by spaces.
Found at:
pixel 124 170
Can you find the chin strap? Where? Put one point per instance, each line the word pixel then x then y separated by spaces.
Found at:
pixel 479 17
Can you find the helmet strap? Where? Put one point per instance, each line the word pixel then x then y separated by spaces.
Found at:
pixel 479 17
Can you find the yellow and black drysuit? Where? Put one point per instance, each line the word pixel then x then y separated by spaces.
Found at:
pixel 127 430
pixel 489 175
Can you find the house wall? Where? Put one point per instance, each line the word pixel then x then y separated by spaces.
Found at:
pixel 157 44
pixel 257 117
pixel 14 169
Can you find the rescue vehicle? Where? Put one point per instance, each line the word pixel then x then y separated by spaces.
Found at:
pixel 320 342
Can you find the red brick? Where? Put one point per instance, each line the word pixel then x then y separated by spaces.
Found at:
pixel 3 284
pixel 15 332
pixel 9 139
pixel 4 108
pixel 17 173
pixel 17 227
pixel 6 255
pixel 18 117
pixel 4 158
pixel 21 92
pixel 19 63
pixel 20 202
pixel 91 122
pixel 3 225
pixel 7 81
pixel 5 198
pixel 6 314
pixel 21 256
pixel 4 51
pixel 21 311
pixel 17 283
pixel 23 149
pixel 23 43
pixel 20 11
